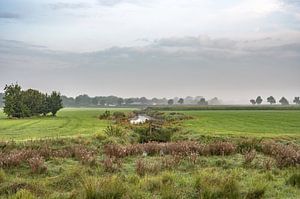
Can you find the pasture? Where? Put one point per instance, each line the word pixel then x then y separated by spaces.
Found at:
pixel 85 122
pixel 248 123
pixel 69 122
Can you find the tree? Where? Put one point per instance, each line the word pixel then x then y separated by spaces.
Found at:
pixel 271 100
pixel 253 102
pixel 83 100
pixel 297 100
pixel 170 102
pixel 120 101
pixel 34 101
pixel 214 101
pixel 203 102
pixel 13 102
pixel 54 102
pixel 181 101
pixel 284 101
pixel 259 100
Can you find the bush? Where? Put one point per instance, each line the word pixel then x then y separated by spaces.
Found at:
pixel 142 167
pixel 105 115
pixel 155 135
pixel 247 145
pixel 249 157
pixel 294 180
pixel 285 155
pixel 222 148
pixel 118 115
pixel 112 164
pixel 115 131
pixel 37 165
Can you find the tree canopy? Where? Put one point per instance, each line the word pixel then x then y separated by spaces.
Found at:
pixel 297 100
pixel 19 103
pixel 259 100
pixel 271 100
pixel 284 101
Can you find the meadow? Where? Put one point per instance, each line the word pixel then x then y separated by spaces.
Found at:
pixel 69 122
pixel 85 122
pixel 204 154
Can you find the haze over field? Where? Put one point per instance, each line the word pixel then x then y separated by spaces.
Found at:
pixel 235 50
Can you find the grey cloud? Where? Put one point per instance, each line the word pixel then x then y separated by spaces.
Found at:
pixel 8 15
pixel 205 66
pixel 61 5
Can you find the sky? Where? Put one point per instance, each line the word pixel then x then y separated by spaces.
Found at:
pixel 234 49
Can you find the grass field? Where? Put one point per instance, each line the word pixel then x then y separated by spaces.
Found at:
pixel 81 121
pixel 69 122
pixel 258 123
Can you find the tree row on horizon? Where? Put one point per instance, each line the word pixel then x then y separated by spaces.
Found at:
pixel 272 100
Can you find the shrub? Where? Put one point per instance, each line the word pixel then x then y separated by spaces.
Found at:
pixel 222 148
pixel 184 148
pixel 105 115
pixel 247 145
pixel 285 155
pixel 160 134
pixel 84 155
pixel 100 136
pixel 268 163
pixel 112 164
pixel 294 180
pixel 142 167
pixel 118 115
pixel 37 165
pixel 249 157
pixel 114 131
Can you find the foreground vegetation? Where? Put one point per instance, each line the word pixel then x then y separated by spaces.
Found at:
pixel 177 155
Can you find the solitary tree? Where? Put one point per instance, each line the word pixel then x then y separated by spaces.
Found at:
pixel 170 102
pixel 297 100
pixel 271 100
pixel 54 102
pixel 181 101
pixel 13 102
pixel 259 100
pixel 284 101
pixel 253 102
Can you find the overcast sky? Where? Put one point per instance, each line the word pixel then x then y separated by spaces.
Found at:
pixel 233 49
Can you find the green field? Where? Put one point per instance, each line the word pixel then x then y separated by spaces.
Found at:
pixel 82 121
pixel 69 122
pixel 256 123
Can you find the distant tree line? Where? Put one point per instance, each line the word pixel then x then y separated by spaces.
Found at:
pixel 87 101
pixel 272 100
pixel 19 103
